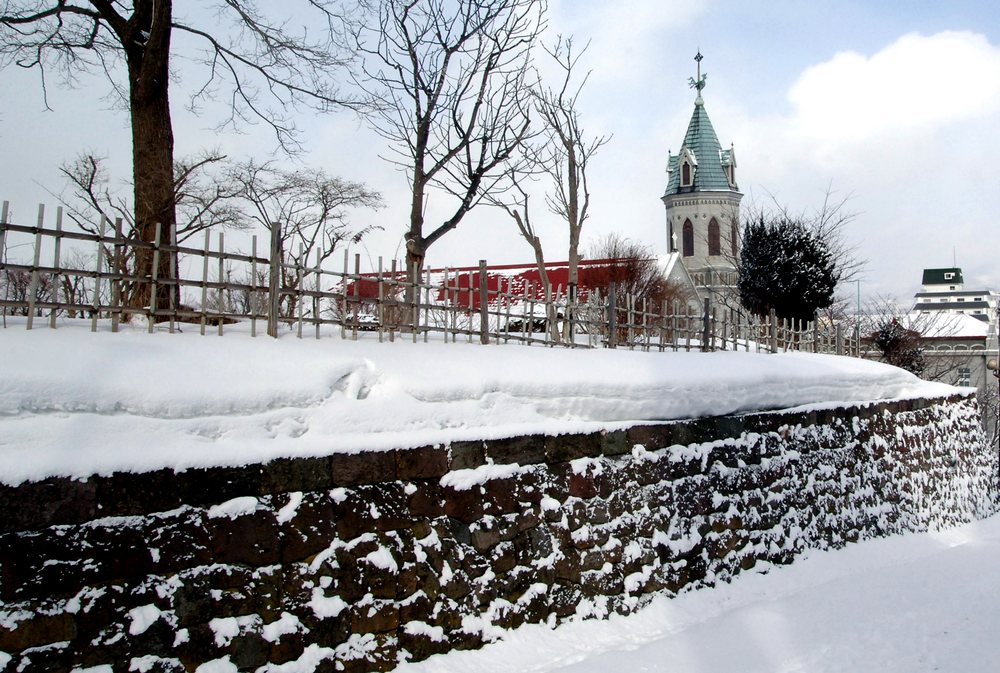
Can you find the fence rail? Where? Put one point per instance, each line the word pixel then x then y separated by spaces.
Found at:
pixel 48 272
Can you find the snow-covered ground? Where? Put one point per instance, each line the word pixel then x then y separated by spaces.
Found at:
pixel 76 403
pixel 899 605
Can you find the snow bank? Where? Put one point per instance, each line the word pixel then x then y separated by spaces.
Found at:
pixel 73 403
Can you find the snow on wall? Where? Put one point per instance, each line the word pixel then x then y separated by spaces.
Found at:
pixel 363 560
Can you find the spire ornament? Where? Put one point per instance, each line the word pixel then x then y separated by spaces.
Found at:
pixel 698 82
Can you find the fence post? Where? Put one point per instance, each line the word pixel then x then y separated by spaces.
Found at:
pixel 97 278
pixel 816 334
pixel 706 325
pixel 55 274
pixel 613 315
pixel 772 329
pixel 273 281
pixel 154 278
pixel 484 315
pixel 33 286
pixel 840 339
pixel 4 210
pixel 116 272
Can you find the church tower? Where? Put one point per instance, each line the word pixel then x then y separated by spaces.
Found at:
pixel 703 202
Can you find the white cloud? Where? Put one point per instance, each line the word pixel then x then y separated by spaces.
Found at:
pixel 914 84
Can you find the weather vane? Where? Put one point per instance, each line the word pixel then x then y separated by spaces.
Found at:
pixel 698 83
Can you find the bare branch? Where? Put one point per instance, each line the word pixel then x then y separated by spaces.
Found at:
pixel 446 81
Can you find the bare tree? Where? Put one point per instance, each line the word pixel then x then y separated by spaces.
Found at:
pixel 17 287
pixel 447 80
pixel 262 67
pixel 201 202
pixel 634 270
pixel 309 208
pixel 566 150
pixel 515 203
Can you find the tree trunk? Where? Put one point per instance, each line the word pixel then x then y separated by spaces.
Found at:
pixel 575 225
pixel 152 155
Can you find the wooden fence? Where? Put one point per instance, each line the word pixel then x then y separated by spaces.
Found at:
pixel 49 273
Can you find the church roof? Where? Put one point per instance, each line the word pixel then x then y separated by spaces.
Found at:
pixel 712 162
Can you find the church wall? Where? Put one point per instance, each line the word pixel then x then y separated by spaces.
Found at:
pixel 700 209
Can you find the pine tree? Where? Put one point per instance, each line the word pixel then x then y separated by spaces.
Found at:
pixel 786 267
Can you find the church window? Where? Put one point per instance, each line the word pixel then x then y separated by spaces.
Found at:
pixel 688 236
pixel 734 237
pixel 685 174
pixel 714 245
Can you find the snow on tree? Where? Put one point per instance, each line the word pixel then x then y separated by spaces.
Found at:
pixel 787 267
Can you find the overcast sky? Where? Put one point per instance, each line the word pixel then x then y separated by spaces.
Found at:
pixel 895 106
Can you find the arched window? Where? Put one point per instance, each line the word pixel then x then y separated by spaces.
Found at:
pixel 734 237
pixel 688 238
pixel 685 174
pixel 714 244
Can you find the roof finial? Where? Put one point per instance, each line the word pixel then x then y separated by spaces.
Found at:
pixel 698 83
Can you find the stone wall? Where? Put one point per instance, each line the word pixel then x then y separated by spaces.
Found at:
pixel 356 562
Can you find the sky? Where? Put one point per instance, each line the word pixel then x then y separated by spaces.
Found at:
pixel 892 108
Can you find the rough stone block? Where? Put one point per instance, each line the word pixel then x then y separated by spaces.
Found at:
pixel 311 528
pixel 466 455
pixel 465 505
pixel 179 541
pixel 652 437
pixel 37 630
pixel 370 467
pixel 502 496
pixel 582 486
pixel 208 486
pixel 562 448
pixel 286 475
pixel 525 450
pixel 615 443
pixel 129 494
pixel 39 504
pixel 427 462
pixel 426 502
pixel 251 539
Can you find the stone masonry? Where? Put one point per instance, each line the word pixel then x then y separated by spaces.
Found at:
pixel 356 562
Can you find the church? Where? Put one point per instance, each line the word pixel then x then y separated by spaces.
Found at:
pixel 702 202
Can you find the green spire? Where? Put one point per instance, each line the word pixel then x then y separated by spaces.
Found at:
pixel 710 163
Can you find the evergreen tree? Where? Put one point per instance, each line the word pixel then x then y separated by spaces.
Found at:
pixel 786 267
pixel 900 346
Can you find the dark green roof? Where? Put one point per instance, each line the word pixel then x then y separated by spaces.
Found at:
pixel 711 160
pixel 937 277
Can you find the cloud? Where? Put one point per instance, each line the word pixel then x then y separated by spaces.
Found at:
pixel 914 84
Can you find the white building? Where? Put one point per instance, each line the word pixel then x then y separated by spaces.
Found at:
pixel 943 291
